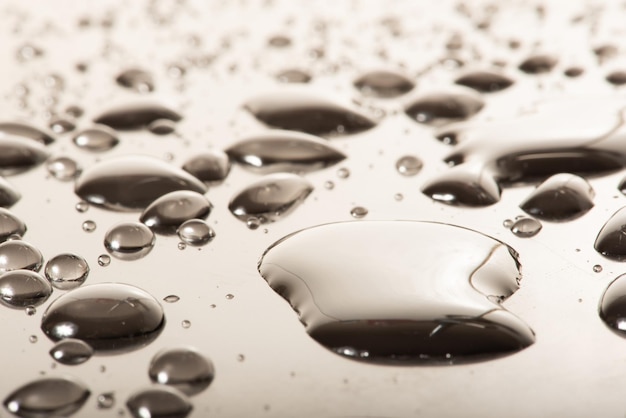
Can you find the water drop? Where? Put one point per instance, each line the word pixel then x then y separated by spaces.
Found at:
pixel 253 223
pixel 561 197
pixel 613 306
pixel 171 298
pixel 526 227
pixel 30 310
pixel 384 84
pixel 106 400
pixel 359 212
pixel 89 226
pixel 307 113
pixel 82 206
pixel 212 165
pixel 176 71
pixel 132 182
pixel 60 125
pixel 408 165
pixel 18 155
pixel 398 197
pixel 433 306
pixel 167 213
pixel 19 255
pixel 574 72
pixel 22 288
pixel 8 194
pixel 485 81
pixel 74 111
pixel 136 115
pixel 507 223
pixel 597 268
pixel 605 52
pixel 28 52
pixel 343 173
pixel 71 351
pixel 270 198
pixel 229 296
pixel 159 402
pixel 162 127
pixel 104 260
pixel 96 139
pixel 63 168
pixel 329 185
pixel 617 78
pixel 280 151
pixel 66 271
pixel 279 41
pixel 182 368
pixel 445 107
pixel 196 232
pixel 110 317
pixel 25 130
pixel 32 339
pixel 129 241
pixel 136 79
pixel 610 242
pixel 241 358
pixel 538 64
pixel 185 323
pixel 52 396
pixel 293 75
pixel 10 225
pixel 181 246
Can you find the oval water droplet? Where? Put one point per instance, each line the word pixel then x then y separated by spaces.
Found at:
pixel 464 186
pixel 171 298
pixel 63 168
pixel 445 107
pixel 408 165
pixel 10 225
pixel 299 111
pixel 208 166
pixel 60 125
pixel 270 198
pixel 19 255
pixel 129 241
pixel 22 288
pixel 25 130
pixel 617 77
pixel 96 139
pixel 526 227
pixel 71 351
pixel 106 400
pixel 613 306
pixel 132 182
pixel 66 271
pixel 196 232
pixel 562 197
pixel 293 75
pixel 280 151
pixel 343 173
pixel 82 206
pixel 610 240
pixel 104 260
pixel 538 64
pixel 359 212
pixel 51 396
pixel 8 194
pixel 182 368
pixel 433 306
pixel 18 155
pixel 162 127
pixel 574 72
pixel 597 268
pixel 186 324
pixel 110 317
pixel 89 226
pixel 136 115
pixel 136 79
pixel 159 402
pixel 485 81
pixel 384 84
pixel 169 211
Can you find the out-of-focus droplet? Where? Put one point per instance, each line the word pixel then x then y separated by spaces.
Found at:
pixel 526 227
pixel 18 155
pixel 136 79
pixel 162 127
pixel 129 241
pixel 343 173
pixel 46 397
pixel 230 296
pixel 359 212
pixel 444 107
pixel 22 288
pixel 106 400
pixel 196 232
pixel 617 77
pixel 99 138
pixel 185 323
pixel 167 213
pixel 408 165
pixel 63 168
pixel 485 81
pixel 28 52
pixel 60 125
pixel 66 271
pixel 574 72
pixel 329 185
pixel 10 225
pixel 279 41
pixel 538 64
pixel 293 75
pixel 208 166
pixel 384 84
pixel 8 194
pixel 136 115
pixel 71 351
pixel 182 368
pixel 159 402
pixel 25 130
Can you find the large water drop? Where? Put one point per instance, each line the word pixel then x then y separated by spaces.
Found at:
pixel 17 255
pixel 445 107
pixel 136 115
pixel 18 155
pixel 159 402
pixel 47 397
pixel 562 197
pixel 22 288
pixel 183 368
pixel 66 271
pixel 169 211
pixel 610 241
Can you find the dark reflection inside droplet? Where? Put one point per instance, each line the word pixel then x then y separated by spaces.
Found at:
pixel 162 402
pixel 384 84
pixel 136 115
pixel 610 241
pixel 168 212
pixel 182 368
pixel 561 197
pixel 617 78
pixel 445 107
pixel 47 397
pixel 129 240
pixel 485 81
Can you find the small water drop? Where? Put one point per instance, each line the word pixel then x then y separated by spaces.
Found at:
pixel 106 400
pixel 63 168
pixel 28 52
pixel 66 271
pixel 241 358
pixel 574 72
pixel 359 212
pixel 507 223
pixel 408 165
pixel 136 79
pixel 99 138
pixel 279 41
pixel 104 260
pixel 60 125
pixel 171 298
pixel 444 107
pixel 538 64
pixel 129 241
pixel 196 232
pixel 617 77
pixel 293 75
pixel 485 81
pixel 82 206
pixel 185 323
pixel 329 185
pixel 230 296
pixel 343 173
pixel 52 396
pixel 89 226
pixel 597 268
pixel 167 213
pixel 74 111
pixel 182 368
pixel 30 310
pixel 526 227
pixel 136 115
pixel 398 197
pixel 162 127
pixel 159 402
pixel 33 339
pixel 384 84
pixel 253 223
pixel 71 351
pixel 22 288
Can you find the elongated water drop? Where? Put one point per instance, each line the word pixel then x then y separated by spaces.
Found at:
pixel 129 241
pixel 66 271
pixel 169 211
pixel 71 351
pixel 22 288
pixel 485 81
pixel 10 225
pixel 617 77
pixel 46 397
pixel 561 197
pixel 18 155
pixel 280 151
pixel 538 64
pixel 293 75
pixel 132 182
pixel 136 115
pixel 25 130
pixel 136 79
pixel 96 139
pixel 610 241
pixel 384 84
pixel 208 166
pixel 159 402
pixel 17 255
pixel 526 227
pixel 8 194
pixel 63 168
pixel 445 107
pixel 408 165
pixel 182 368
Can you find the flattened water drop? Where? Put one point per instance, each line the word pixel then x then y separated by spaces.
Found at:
pixel 526 227
pixel 305 112
pixel 171 298
pixel 538 64
pixel 610 241
pixel 613 306
pixel 71 351
pixel 182 368
pixel 617 78
pixel 196 232
pixel 63 168
pixel 293 76
pixel 96 139
pixel 161 402
pixel 129 241
pixel 280 151
pixel 562 197
pixel 270 198
pixel 22 288
pixel 132 182
pixel 66 271
pixel 106 400
pixel 136 79
pixel 19 255
pixel 8 194
pixel 485 81
pixel 110 317
pixel 574 72
pixel 10 225
pixel 445 107
pixel 359 212
pixel 18 155
pixel 169 211
pixel 408 165
pixel 208 166
pixel 25 130
pixel 384 84
pixel 432 305
pixel 162 127
pixel 46 397
pixel 136 115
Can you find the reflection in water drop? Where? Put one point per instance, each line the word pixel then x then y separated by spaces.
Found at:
pixel 229 296
pixel 359 212
pixel 610 240
pixel 17 255
pixel 485 81
pixel 136 79
pixel 52 396
pixel 66 271
pixel 89 226
pixel 613 306
pixel 32 339
pixel 329 185
pixel 526 227
pixel 61 125
pixel 270 198
pixel 162 127
pixel 196 232
pixel 293 75
pixel 63 168
pixel 253 223
pixel 383 84
pixel 171 298
pixel 440 108
pixel 136 115
pixel 96 139
pixel 129 241
pixel 106 400
pixel 413 316
pixel 561 197
pixel 284 151
pixel 30 310
pixel 104 260
pixel 167 213
pixel 343 173
pixel 132 182
pixel 182 368
pixel 538 64
pixel 597 268
pixel 22 288
pixel 18 155
pixel 159 402
pixel 110 317
pixel 10 225
pixel 25 130
pixel 71 351
pixel 408 165
pixel 82 206
pixel 212 165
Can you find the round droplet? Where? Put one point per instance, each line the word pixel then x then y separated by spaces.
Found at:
pixel 507 223
pixel 359 212
pixel 136 79
pixel 129 241
pixel 106 400
pixel 384 84
pixel 61 125
pixel 159 402
pixel 253 223
pixel 82 206
pixel 22 288
pixel 162 127
pixel 171 298
pixel 89 226
pixel 30 310
pixel 52 396
pixel 33 339
pixel 74 111
pixel 110 317
pixel 181 246
pixel 167 213
pixel 63 168
pixel 66 271
pixel 104 260
pixel 71 351
pixel 196 232
pixel 185 323
pixel 208 166
pixel 18 255
pixel 597 268
pixel 408 165
pixel 343 173
pixel 241 358
pixel 10 225
pixel 329 185
pixel 97 139
pixel 182 368
pixel 28 52
pixel 526 227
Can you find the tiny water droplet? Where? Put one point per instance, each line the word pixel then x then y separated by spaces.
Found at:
pixel 30 310
pixel 66 271
pixel 160 401
pixel 384 84
pixel 279 41
pixel 129 241
pixel 28 52
pixel 507 223
pixel 63 168
pixel 182 368
pixel 343 173
pixel 82 206
pixel 106 400
pixel 253 223
pixel 196 232
pixel 574 72
pixel 358 212
pixel 293 75
pixel 329 185
pixel 171 298
pixel 89 226
pixel 162 127
pixel 71 351
pixel 617 78
pixel 230 296
pixel 136 79
pixel 597 268
pixel 52 396
pixel 99 138
pixel 181 246
pixel 74 111
pixel 398 197
pixel 408 165
pixel 33 339
pixel 104 260
pixel 526 227
pixel 22 288
pixel 185 324
pixel 241 358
